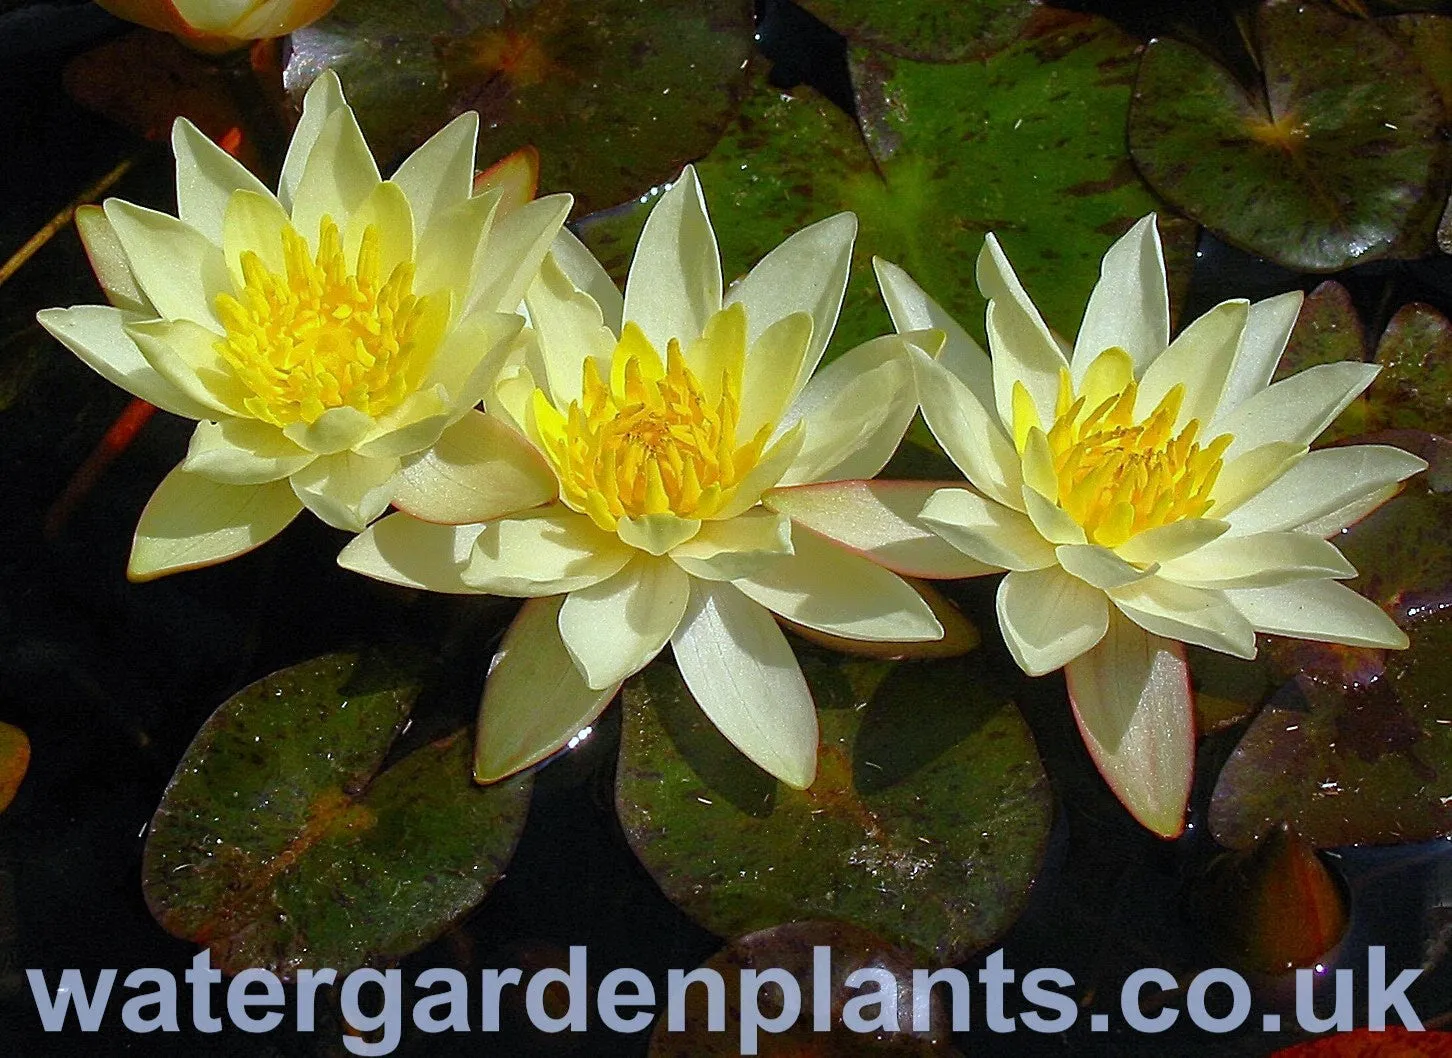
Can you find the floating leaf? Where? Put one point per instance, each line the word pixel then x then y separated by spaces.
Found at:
pixel 14 762
pixel 1227 690
pixel 928 30
pixel 1272 908
pixel 280 843
pixel 792 947
pixel 1429 39
pixel 616 95
pixel 953 150
pixel 1414 390
pixel 927 822
pixel 1328 331
pixel 1335 159
pixel 1391 1042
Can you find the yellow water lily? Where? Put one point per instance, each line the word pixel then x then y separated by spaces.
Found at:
pixel 219 25
pixel 324 336
pixel 1143 493
pixel 701 479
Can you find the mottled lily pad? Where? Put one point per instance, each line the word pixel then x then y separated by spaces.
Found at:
pixel 927 822
pixel 1027 144
pixel 14 762
pixel 793 948
pixel 928 30
pixel 280 842
pixel 1333 160
pixel 616 95
pixel 1429 38
pixel 1328 331
pixel 1414 389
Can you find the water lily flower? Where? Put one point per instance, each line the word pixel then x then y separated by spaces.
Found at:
pixel 220 25
pixel 1143 493
pixel 324 337
pixel 702 478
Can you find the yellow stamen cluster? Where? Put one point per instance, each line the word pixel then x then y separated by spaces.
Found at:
pixel 322 335
pixel 1118 477
pixel 651 441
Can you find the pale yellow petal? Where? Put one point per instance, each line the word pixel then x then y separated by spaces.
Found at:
pixel 346 490
pixel 968 432
pixel 206 179
pixel 439 176
pixel 1129 308
pixel 402 550
pixel 1099 566
pixel 479 470
pixel 1192 615
pixel 1200 360
pixel 243 452
pixel 178 268
pixel 988 532
pixel 1318 609
pixel 740 547
pixel 1323 483
pixel 1261 560
pixel 1049 618
pixel 614 628
pixel 656 534
pixel 913 310
pixel 545 551
pixel 674 285
pixel 1022 346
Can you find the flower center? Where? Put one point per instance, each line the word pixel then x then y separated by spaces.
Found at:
pixel 323 336
pixel 1118 477
pixel 653 440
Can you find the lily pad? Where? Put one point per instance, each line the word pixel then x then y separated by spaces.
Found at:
pixel 950 147
pixel 1334 159
pixel 14 762
pixel 1328 331
pixel 1414 390
pixel 793 948
pixel 616 95
pixel 927 822
pixel 928 30
pixel 282 842
pixel 1429 38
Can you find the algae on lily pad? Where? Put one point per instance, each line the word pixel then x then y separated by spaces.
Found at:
pixel 927 30
pixel 616 95
pixel 1335 158
pixel 283 842
pixel 927 822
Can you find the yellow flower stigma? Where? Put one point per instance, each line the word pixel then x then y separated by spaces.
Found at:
pixel 323 336
pixel 1117 476
pixel 655 439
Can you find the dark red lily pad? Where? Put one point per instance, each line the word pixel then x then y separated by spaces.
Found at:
pixel 283 842
pixel 14 762
pixel 616 95
pixel 792 948
pixel 927 822
pixel 1391 1042
pixel 927 30
pixel 1334 159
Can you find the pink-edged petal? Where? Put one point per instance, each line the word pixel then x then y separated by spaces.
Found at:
pixel 1131 700
pixel 1049 618
pixel 742 673
pixel 535 700
pixel 879 520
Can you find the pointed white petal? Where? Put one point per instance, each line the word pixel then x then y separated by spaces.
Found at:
pixel 440 175
pixel 968 432
pixel 339 176
pixel 1098 566
pixel 1324 482
pixel 1267 329
pixel 206 177
pixel 1329 525
pixel 346 490
pixel 1048 618
pixel 324 96
pixel 913 310
pixel 1192 615
pixel 191 521
pixel 740 547
pixel 880 521
pixel 612 629
pixel 1131 700
pixel 656 534
pixel 243 452
pixel 413 554
pixel 1261 560
pixel 590 276
pixel 178 268
pixel 1295 409
pixel 96 334
pixel 1200 360
pixel 185 355
pixel 1053 523
pixel 454 249
pixel 535 700
pixel 806 273
pixel 988 532
pixel 108 260
pixel 570 329
pixel 746 680
pixel 1023 348
pixel 1318 609
pixel 334 431
pixel 1165 542
pixel 479 470
pixel 517 244
pixel 832 590
pixel 674 285
pixel 1129 307
pixel 545 551
pixel 1251 473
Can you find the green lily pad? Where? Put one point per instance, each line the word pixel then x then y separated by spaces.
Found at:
pixel 1359 748
pixel 793 948
pixel 927 822
pixel 280 842
pixel 1429 39
pixel 1335 159
pixel 947 163
pixel 616 95
pixel 928 30
pixel 1414 390
pixel 1328 331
